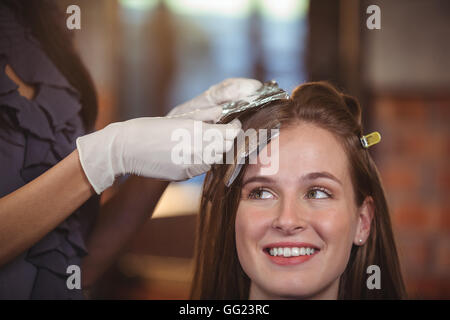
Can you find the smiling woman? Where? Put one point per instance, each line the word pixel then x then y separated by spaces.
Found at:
pixel 309 231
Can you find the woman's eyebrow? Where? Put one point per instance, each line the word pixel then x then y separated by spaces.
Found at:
pixel 263 179
pixel 306 177
pixel 317 175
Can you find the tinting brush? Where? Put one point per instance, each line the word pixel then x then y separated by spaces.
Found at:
pixel 249 151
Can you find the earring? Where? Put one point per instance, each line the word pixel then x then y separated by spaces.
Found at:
pixel 360 241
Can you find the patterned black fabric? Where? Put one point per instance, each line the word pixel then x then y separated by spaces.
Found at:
pixel 34 136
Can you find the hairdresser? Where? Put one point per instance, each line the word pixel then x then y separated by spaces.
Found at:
pixel 52 171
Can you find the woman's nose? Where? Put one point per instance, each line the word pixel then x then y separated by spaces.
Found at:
pixel 289 217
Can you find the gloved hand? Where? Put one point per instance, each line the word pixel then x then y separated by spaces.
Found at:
pixel 144 146
pixel 232 89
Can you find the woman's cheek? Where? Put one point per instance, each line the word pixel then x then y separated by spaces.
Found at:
pixel 252 222
pixel 335 229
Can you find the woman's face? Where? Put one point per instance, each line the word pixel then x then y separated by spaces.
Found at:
pixel 308 204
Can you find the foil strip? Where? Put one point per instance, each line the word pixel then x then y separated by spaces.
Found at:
pixel 267 93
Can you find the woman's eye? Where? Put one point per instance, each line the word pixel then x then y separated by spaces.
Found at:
pixel 260 194
pixel 317 194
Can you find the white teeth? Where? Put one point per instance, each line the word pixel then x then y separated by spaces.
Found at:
pixel 291 252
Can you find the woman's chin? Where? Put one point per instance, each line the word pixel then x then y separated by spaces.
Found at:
pixel 287 290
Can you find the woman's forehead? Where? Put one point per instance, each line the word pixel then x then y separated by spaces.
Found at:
pixel 302 149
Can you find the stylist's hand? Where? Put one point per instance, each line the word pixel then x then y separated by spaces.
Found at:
pixel 145 146
pixel 151 147
pixel 232 89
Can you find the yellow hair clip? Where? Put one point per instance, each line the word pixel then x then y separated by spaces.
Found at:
pixel 370 139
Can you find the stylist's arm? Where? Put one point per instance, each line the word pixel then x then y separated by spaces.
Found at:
pixel 141 147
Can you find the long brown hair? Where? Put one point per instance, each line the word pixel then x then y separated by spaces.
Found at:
pixel 218 273
pixel 47 23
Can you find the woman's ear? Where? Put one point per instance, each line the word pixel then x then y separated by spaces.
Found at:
pixel 365 216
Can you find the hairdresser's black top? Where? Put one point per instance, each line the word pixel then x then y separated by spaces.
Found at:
pixel 34 136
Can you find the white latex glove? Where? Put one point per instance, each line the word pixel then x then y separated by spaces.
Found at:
pixel 144 146
pixel 232 89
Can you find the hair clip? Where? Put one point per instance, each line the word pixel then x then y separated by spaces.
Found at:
pixel 370 139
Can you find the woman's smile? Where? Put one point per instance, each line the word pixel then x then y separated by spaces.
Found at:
pixel 290 253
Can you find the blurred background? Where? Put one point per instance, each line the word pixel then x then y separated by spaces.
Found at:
pixel 146 56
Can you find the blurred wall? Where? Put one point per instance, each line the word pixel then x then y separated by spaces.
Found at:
pixel 407 80
pixel 411 51
pixel 401 76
